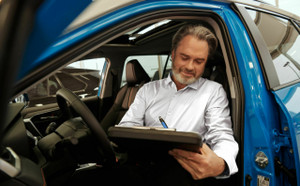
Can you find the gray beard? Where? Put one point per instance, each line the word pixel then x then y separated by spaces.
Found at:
pixel 182 80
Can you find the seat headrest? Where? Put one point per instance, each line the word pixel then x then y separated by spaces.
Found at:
pixel 135 74
pixel 215 60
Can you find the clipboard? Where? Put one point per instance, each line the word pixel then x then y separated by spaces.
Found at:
pixel 154 139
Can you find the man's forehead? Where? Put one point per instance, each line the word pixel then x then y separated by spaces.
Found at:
pixel 187 55
pixel 191 45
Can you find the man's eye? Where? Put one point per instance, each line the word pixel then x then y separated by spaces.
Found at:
pixel 198 62
pixel 185 58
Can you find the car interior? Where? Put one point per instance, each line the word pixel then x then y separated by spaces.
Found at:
pixel 68 140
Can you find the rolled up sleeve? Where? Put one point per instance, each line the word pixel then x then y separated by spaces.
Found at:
pixel 219 134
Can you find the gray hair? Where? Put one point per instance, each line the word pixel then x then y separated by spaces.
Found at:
pixel 200 32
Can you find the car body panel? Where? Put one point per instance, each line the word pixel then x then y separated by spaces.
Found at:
pixel 262 114
pixel 274 125
pixel 288 99
pixel 259 112
pixel 44 32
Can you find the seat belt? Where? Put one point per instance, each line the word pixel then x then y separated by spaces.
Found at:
pixel 115 87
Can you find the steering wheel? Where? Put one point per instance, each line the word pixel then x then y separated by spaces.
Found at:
pixel 65 96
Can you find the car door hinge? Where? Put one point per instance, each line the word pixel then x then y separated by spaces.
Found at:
pixel 280 140
pixel 290 173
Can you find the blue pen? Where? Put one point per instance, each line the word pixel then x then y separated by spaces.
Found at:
pixel 163 122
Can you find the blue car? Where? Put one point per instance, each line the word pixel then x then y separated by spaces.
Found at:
pixel 65 140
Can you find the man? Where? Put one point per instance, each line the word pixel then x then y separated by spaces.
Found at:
pixel 188 102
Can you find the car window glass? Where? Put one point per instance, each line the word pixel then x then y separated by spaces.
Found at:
pixel 81 77
pixel 152 64
pixel 53 85
pixel 283 42
pixel 72 81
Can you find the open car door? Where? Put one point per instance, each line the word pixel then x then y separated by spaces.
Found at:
pixel 287 141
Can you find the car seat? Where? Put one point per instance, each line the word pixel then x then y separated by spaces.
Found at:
pixel 136 77
pixel 217 71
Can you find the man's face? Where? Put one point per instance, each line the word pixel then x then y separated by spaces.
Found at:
pixel 189 60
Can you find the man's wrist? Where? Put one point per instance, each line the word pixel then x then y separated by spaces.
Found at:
pixel 226 170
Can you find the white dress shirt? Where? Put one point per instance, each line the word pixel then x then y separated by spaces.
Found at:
pixel 200 107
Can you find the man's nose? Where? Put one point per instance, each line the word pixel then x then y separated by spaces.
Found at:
pixel 190 65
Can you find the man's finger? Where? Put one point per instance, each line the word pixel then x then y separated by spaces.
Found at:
pixel 186 164
pixel 185 154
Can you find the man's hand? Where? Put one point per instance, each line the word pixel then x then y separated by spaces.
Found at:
pixel 199 165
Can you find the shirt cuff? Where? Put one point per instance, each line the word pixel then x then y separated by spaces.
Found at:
pixel 226 172
pixel 230 166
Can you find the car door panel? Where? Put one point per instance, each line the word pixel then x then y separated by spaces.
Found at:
pixel 288 100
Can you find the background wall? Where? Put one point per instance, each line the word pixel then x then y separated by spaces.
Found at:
pixel 292 6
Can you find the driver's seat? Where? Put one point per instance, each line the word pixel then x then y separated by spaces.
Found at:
pixel 136 77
